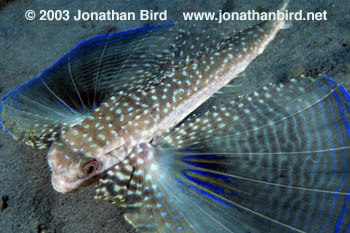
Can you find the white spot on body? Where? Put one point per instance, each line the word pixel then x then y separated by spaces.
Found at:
pixel 102 137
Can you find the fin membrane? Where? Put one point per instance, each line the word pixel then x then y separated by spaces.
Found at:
pixel 273 161
pixel 80 81
pixel 119 64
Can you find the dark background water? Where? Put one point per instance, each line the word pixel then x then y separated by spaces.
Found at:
pixel 29 204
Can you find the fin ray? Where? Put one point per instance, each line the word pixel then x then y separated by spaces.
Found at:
pixel 82 79
pixel 290 175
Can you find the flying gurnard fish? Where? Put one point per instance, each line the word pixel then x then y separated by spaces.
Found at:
pixel 122 109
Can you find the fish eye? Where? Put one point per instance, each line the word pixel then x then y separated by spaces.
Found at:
pixel 90 168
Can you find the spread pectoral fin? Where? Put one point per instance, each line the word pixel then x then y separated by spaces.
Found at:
pixel 72 88
pixel 139 185
pixel 274 161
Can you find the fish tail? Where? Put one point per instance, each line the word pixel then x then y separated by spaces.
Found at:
pixel 284 5
pixel 285 23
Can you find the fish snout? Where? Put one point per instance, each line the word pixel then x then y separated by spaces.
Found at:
pixel 64 179
pixel 63 184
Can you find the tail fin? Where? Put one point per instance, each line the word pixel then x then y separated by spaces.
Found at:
pixel 285 24
pixel 284 5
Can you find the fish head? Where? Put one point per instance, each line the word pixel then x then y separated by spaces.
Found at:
pixel 75 165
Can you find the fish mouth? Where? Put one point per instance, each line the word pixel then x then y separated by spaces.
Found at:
pixel 72 187
pixel 64 185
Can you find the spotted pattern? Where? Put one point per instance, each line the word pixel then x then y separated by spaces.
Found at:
pixel 223 169
pixel 136 115
pixel 118 93
pixel 132 185
pixel 278 155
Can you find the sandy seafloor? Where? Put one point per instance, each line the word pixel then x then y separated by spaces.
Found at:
pixel 29 47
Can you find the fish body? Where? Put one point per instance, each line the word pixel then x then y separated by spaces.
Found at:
pixel 140 113
pixel 128 114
